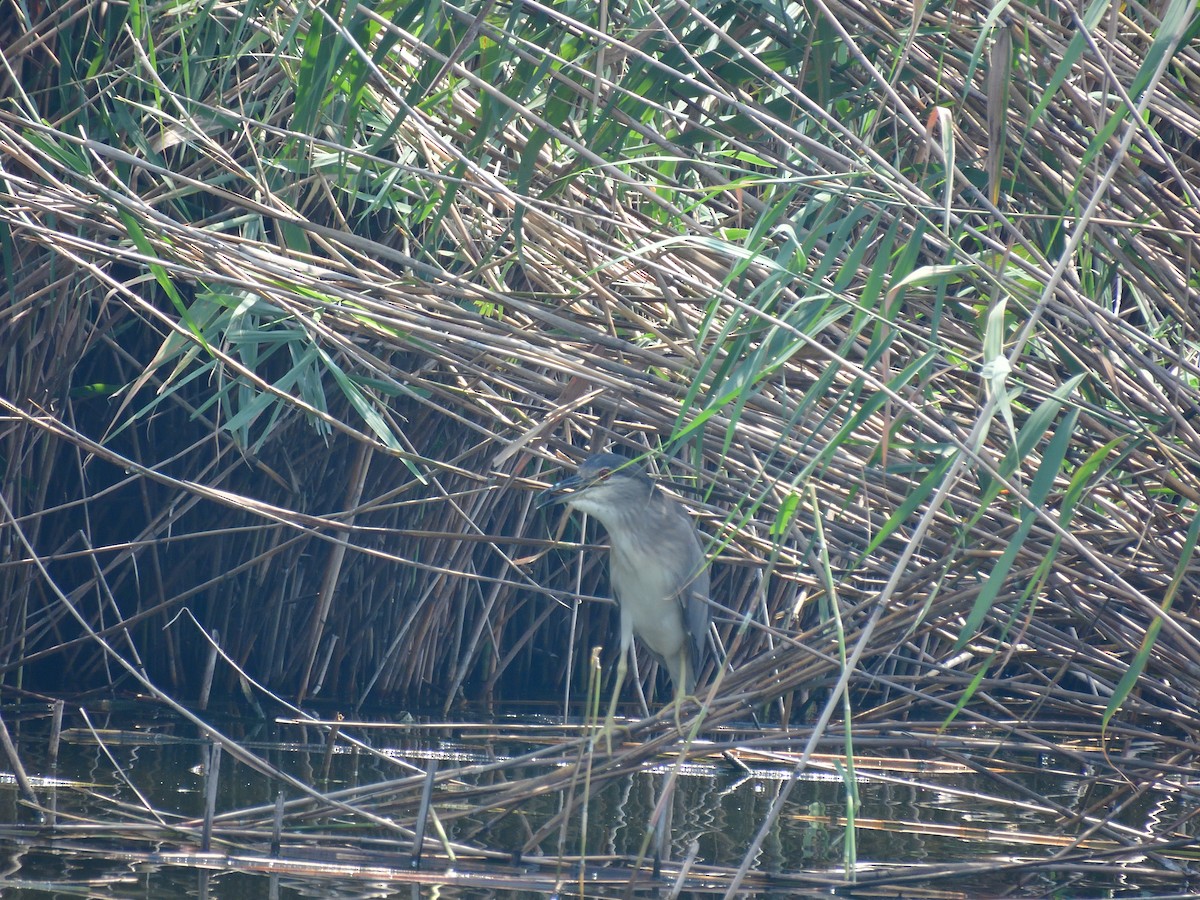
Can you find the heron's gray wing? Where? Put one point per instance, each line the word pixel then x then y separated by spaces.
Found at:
pixel 697 615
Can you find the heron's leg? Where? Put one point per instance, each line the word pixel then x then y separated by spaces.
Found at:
pixel 679 677
pixel 610 723
pixel 610 720
pixel 635 672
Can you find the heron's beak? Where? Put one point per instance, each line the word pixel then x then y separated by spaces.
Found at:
pixel 558 493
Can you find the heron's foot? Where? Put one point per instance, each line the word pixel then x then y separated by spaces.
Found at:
pixel 677 709
pixel 678 712
pixel 605 731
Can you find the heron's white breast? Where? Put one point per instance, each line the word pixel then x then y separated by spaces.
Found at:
pixel 646 591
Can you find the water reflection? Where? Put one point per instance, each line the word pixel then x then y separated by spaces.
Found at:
pixel 513 806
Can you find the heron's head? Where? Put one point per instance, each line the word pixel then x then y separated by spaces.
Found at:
pixel 605 485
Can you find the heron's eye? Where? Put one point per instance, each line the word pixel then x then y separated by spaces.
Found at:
pixel 602 474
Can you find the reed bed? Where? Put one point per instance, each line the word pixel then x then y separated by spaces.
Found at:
pixel 304 302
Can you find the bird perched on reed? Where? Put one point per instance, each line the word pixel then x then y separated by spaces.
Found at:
pixel 657 566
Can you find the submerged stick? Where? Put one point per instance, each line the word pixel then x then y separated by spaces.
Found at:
pixel 211 771
pixel 423 814
pixel 277 827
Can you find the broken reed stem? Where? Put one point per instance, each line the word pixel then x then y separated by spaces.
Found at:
pixel 423 813
pixel 14 759
pixel 212 772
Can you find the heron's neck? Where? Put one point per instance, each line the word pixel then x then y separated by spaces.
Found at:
pixel 627 524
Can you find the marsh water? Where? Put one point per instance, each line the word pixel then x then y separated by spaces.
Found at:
pixel 124 803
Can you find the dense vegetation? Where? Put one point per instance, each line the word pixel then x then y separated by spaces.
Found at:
pixel 302 302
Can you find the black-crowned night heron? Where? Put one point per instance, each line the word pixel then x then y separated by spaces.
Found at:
pixel 657 566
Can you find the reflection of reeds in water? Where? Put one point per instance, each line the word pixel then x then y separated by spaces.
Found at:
pixel 528 806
